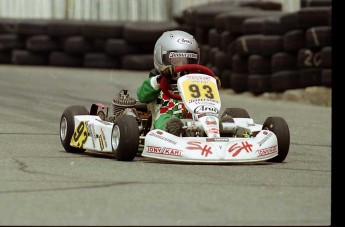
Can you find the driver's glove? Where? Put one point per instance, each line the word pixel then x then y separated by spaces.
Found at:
pixel 168 71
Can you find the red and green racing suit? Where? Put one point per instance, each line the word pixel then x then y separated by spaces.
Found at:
pixel 160 105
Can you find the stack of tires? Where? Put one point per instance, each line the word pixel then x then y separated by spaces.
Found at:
pixel 91 44
pixel 262 49
pixel 251 45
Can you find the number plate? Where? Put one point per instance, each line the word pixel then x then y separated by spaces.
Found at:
pixel 200 87
pixel 199 91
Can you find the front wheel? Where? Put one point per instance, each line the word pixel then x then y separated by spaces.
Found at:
pixel 67 127
pixel 280 128
pixel 125 138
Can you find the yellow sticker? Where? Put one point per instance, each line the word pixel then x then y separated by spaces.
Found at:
pixel 79 136
pixel 200 90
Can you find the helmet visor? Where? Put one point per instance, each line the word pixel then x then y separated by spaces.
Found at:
pixel 177 58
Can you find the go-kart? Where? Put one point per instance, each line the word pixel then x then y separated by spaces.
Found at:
pixel 127 132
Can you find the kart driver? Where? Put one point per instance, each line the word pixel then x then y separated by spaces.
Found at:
pixel 173 48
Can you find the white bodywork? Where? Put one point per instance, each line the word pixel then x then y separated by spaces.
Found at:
pixel 162 145
pixel 91 133
pixel 200 95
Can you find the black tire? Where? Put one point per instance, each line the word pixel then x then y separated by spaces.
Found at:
pixel 67 127
pixel 289 22
pixel 271 44
pixel 313 16
pixel 280 128
pixel 57 58
pixel 258 64
pixel 41 43
pixel 259 83
pixel 213 37
pixel 65 28
pixel 239 82
pixel 326 57
pixel 239 63
pixel 236 112
pixel 77 45
pixel 294 40
pixel 273 26
pixel 253 25
pixel 9 42
pixel 310 77
pixel 319 36
pixel 326 77
pixel 102 29
pixel 137 62
pixel 100 60
pixel 141 32
pixel 24 57
pixel 285 80
pixel 282 61
pixel 225 78
pixel 249 44
pixel 125 138
pixel 119 48
pixel 30 27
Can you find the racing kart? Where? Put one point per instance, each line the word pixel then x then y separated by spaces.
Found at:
pixel 127 131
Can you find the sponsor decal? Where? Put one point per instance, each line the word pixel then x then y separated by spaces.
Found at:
pixel 267 151
pixel 80 135
pixel 185 41
pixel 159 136
pixel 207 114
pixel 217 139
pixel 163 151
pixel 211 121
pixel 205 150
pixel 236 148
pixel 201 100
pixel 91 129
pixel 199 79
pixel 182 55
pixel 103 138
pixel 101 144
pixel 212 130
pixel 203 109
pixel 265 139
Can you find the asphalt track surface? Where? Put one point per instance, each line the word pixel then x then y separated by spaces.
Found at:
pixel 41 184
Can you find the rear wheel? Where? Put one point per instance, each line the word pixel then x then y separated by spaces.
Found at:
pixel 67 127
pixel 125 138
pixel 280 128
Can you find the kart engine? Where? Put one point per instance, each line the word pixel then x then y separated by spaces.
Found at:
pixel 122 103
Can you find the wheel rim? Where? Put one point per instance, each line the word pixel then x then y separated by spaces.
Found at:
pixel 115 137
pixel 63 128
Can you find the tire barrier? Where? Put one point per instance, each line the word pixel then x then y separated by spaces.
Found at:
pixel 252 46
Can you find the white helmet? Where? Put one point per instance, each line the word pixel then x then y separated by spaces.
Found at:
pixel 175 48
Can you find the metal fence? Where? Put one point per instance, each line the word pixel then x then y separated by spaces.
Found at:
pixel 129 10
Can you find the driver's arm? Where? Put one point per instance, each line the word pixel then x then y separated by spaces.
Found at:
pixel 149 90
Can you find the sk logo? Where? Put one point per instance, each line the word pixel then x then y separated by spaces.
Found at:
pixel 238 148
pixel 205 151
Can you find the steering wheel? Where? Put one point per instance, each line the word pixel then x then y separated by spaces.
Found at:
pixel 190 68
